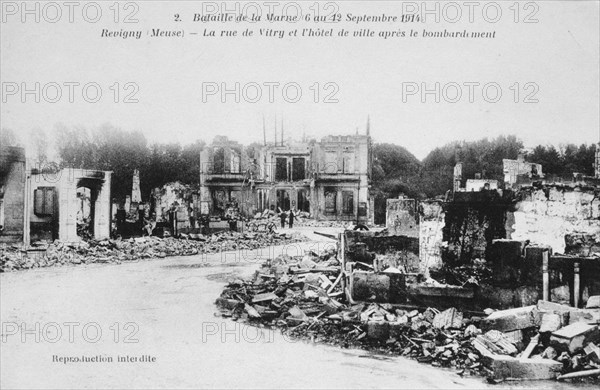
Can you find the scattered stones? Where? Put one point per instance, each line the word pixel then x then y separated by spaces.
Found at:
pixel 549 353
pixel 575 337
pixel 593 302
pixel 448 319
pixel 592 351
pixel 550 322
pixel 304 297
pixel 512 319
pixel 509 368
pixel 13 257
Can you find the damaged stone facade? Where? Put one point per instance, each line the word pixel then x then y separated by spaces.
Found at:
pixel 48 204
pixel 507 232
pixel 182 198
pixel 542 215
pixel 53 204
pixel 546 215
pixel 432 221
pixel 12 194
pixel 402 217
pixel 516 170
pixel 329 179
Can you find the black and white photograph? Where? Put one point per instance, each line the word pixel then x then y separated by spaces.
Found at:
pixel 309 194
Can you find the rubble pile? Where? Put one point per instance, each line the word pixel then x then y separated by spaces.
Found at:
pixel 302 219
pixel 304 297
pixel 306 221
pixel 14 257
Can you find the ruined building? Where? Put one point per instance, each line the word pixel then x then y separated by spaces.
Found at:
pixel 49 204
pixel 597 162
pixel 58 199
pixel 520 171
pixel 329 179
pixel 12 194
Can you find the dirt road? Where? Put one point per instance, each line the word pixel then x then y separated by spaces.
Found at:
pixel 161 313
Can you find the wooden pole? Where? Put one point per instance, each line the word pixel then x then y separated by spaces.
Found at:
pixel 342 253
pixel 576 283
pixel 545 276
pixel 579 374
pixel 532 344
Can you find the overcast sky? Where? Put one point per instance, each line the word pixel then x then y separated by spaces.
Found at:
pixel 560 54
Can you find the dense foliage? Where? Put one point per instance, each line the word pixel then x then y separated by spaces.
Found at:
pixel 121 152
pixel 396 171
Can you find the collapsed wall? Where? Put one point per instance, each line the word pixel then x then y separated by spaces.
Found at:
pixel 498 237
pixel 546 216
pixel 472 221
pixel 432 220
pixel 12 200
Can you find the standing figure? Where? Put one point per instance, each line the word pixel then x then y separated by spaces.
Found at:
pixel 121 217
pixel 282 217
pixel 291 221
pixel 173 220
pixel 142 218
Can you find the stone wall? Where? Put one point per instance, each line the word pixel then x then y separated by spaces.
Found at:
pixel 65 184
pixel 402 218
pixel 545 216
pixel 431 240
pixel 12 194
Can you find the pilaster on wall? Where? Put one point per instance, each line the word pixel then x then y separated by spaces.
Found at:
pixel 67 209
pixel 102 217
pixel 14 203
pixel 314 200
pixel 68 206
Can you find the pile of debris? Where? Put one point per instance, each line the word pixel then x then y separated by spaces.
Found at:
pixel 302 219
pixel 306 221
pixel 42 254
pixel 304 297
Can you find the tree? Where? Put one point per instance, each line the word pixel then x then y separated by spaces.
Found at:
pixel 74 147
pixel 395 171
pixel 106 148
pixel 483 156
pixel 190 161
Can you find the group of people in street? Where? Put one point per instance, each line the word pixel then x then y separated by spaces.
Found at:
pixel 289 215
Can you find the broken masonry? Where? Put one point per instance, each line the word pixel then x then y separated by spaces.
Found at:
pixel 369 294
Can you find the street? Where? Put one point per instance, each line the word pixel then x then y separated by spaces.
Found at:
pixel 156 320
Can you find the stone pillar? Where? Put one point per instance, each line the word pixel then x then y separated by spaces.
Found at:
pixel 314 200
pixel 597 162
pixel 205 198
pixel 356 201
pixel 338 202
pixel 102 216
pixel 136 193
pixel 457 176
pixel 67 208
